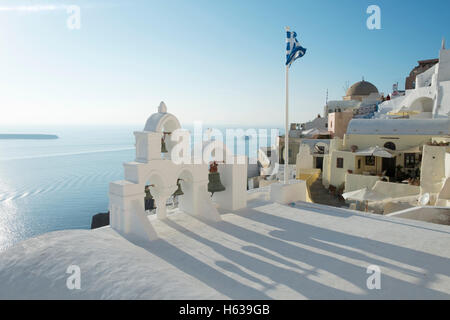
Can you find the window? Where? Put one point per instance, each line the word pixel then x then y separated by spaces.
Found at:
pixel 410 160
pixel 359 163
pixel 390 145
pixel 370 161
pixel 340 163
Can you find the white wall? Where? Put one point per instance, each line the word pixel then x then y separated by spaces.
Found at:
pixel 295 191
pixel 425 79
pixel 305 160
pixel 433 171
pixel 427 214
pixel 337 175
pixel 396 190
pixel 444 65
pixel 356 182
pixel 234 179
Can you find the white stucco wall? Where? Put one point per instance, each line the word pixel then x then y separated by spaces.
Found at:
pixel 444 65
pixel 395 190
pixel 305 160
pixel 425 79
pixel 326 171
pixel 443 102
pixel 447 165
pixel 356 182
pixel 294 191
pixel 433 171
pixel 402 142
pixel 234 179
pixel 335 144
pixel 337 175
pixel 428 214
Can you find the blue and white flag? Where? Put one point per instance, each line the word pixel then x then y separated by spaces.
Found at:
pixel 293 48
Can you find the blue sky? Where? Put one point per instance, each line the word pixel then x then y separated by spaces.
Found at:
pixel 217 61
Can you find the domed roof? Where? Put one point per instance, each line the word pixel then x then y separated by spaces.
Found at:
pixel 362 88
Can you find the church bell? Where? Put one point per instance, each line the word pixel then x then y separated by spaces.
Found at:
pixel 178 192
pixel 149 201
pixel 214 184
pixel 163 146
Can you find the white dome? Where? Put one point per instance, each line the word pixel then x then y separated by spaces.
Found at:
pixel 162 121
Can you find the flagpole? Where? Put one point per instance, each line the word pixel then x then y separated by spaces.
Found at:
pixel 286 125
pixel 286 135
pixel 293 52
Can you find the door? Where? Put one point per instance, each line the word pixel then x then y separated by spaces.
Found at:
pixel 389 167
pixel 319 163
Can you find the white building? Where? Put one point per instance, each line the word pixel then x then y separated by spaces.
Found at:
pixel 362 93
pixel 431 96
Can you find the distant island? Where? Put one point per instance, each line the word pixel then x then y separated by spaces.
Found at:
pixel 27 136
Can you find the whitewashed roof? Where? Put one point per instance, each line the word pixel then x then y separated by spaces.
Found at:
pixel 267 251
pixel 399 126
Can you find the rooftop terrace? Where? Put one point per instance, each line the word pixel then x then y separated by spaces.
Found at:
pixel 266 251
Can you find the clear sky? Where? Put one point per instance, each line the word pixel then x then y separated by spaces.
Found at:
pixel 217 61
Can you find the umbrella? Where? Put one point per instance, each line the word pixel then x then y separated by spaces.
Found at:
pixel 376 152
pixel 364 195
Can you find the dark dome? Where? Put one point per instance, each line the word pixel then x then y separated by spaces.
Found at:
pixel 362 88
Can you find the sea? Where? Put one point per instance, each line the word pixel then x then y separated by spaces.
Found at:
pixel 59 184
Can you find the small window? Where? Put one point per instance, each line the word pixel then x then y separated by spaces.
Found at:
pixel 390 145
pixel 359 163
pixel 340 163
pixel 410 160
pixel 320 149
pixel 370 161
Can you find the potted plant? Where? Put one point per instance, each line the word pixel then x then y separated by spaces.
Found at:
pixel 354 148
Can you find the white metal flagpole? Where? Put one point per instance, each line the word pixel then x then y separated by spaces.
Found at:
pixel 286 125
pixel 286 134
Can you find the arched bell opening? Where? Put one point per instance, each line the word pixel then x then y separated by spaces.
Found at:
pixel 149 200
pixel 184 195
pixel 165 124
pixel 153 195
pixel 215 153
pixel 214 183
pixel 168 127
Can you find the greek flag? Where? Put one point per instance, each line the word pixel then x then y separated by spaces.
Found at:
pixel 293 48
